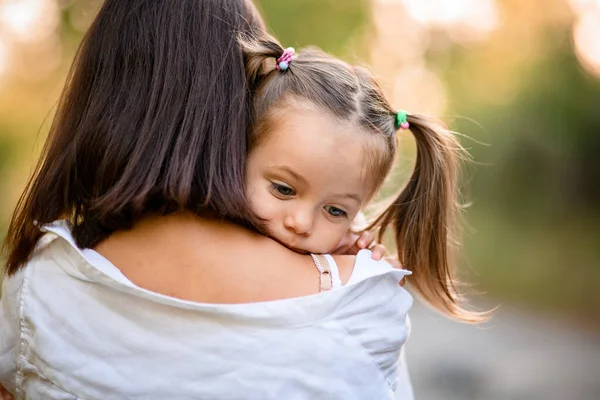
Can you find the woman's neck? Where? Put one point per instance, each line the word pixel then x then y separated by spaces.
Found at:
pixel 177 226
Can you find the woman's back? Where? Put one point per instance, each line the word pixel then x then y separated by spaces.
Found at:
pixel 86 331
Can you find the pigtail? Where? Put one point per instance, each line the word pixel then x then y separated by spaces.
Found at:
pixel 260 54
pixel 423 218
pixel 266 81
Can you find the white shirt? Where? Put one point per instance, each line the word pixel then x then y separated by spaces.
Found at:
pixel 72 326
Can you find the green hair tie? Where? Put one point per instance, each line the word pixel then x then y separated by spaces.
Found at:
pixel 401 120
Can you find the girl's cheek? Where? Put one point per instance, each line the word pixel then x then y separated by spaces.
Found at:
pixel 261 202
pixel 255 201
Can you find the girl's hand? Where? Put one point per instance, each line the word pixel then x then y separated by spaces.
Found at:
pixel 347 244
pixel 366 240
pixel 352 243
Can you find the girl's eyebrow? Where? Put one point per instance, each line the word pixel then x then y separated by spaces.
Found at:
pixel 289 171
pixel 352 196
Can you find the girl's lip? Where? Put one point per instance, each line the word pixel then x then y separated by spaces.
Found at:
pixel 294 249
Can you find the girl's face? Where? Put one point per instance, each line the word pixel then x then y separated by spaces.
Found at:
pixel 307 178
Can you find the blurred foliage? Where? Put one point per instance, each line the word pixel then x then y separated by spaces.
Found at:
pixel 529 108
pixel 330 24
pixel 537 194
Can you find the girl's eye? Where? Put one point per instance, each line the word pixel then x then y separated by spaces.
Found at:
pixel 335 212
pixel 283 190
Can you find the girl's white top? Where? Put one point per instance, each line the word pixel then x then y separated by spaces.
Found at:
pixel 72 326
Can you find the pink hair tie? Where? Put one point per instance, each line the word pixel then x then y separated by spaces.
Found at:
pixel 286 58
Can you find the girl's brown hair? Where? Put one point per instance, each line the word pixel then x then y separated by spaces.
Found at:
pixel 423 215
pixel 152 119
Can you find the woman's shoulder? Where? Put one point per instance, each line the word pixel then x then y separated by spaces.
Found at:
pixel 218 261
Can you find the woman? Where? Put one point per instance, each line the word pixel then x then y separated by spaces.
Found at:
pixel 144 166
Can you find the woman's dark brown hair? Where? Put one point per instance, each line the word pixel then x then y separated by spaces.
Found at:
pixel 153 118
pixel 422 216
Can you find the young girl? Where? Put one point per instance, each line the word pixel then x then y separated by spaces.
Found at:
pixel 322 142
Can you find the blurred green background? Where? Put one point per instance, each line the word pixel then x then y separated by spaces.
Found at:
pixel 520 79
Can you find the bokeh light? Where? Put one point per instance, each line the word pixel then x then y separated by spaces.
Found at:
pixel 419 90
pixel 587 41
pixel 583 6
pixel 586 33
pixel 29 45
pixel 4 57
pixel 404 36
pixel 29 20
pixel 478 15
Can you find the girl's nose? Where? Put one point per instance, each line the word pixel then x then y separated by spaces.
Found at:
pixel 299 223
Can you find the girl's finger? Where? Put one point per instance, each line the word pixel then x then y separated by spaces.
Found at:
pixel 378 252
pixel 347 244
pixel 365 240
